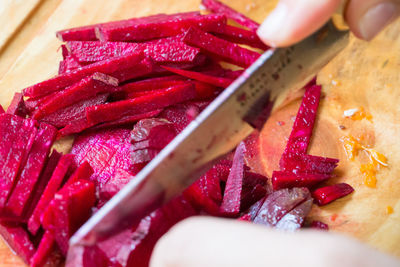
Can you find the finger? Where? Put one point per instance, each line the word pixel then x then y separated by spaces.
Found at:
pixel 367 18
pixel 293 20
pixel 211 242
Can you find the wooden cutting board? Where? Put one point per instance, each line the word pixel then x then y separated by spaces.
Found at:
pixel 365 75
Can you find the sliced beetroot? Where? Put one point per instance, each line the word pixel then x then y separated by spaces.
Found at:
pixel 48 170
pixel 233 190
pixel 319 225
pixel 291 162
pixel 152 84
pixel 134 247
pixel 44 250
pixel 70 208
pixel 205 194
pixel 17 106
pixel 52 187
pixel 17 136
pixel 327 194
pixel 278 204
pixel 1 110
pixel 281 179
pixel 156 132
pixel 73 113
pixel 219 48
pixel 144 104
pixel 255 187
pixel 116 182
pixel 69 64
pixel 157 27
pixel 83 172
pixel 18 240
pixel 294 219
pixel 84 33
pixel 240 36
pixel 106 151
pixel 216 81
pixel 146 155
pixel 166 50
pixel 220 8
pixel 29 176
pixel 122 68
pixel 304 124
pixel 85 89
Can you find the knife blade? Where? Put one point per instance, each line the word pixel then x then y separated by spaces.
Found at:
pixel 215 132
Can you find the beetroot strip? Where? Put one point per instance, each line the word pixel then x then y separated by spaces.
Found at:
pixel 327 194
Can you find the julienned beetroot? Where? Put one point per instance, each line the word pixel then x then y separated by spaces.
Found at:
pixel 319 225
pixel 327 194
pixel 282 180
pixel 69 64
pixel 219 8
pixel 47 252
pixel 158 27
pixel 1 110
pixel 17 106
pixel 219 48
pixel 82 173
pixel 308 164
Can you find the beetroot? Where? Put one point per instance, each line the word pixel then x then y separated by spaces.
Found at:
pixel 85 33
pixel 122 68
pixel 29 176
pixel 17 137
pixel 219 48
pixel 240 36
pixel 157 27
pixel 83 172
pixel 233 191
pixel 157 133
pixel 53 185
pixel 17 106
pixel 1 110
pixel 113 185
pixel 279 203
pixel 44 250
pixel 68 210
pixel 163 98
pixel 282 179
pixel 255 187
pixel 87 88
pixel 294 219
pixel 152 84
pixel 308 164
pixel 69 64
pixel 216 81
pixel 76 112
pixel 304 124
pixel 219 8
pixel 166 50
pixel 319 225
pixel 18 240
pixel 106 151
pixel 327 194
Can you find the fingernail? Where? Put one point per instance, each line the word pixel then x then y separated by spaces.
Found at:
pixel 272 30
pixel 376 18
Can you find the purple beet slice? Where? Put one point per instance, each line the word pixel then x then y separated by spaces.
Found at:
pixel 294 219
pixel 17 106
pixel 69 64
pixel 327 194
pixel 254 188
pixel 44 250
pixel 83 172
pixel 304 124
pixel 85 89
pixel 18 240
pixel 281 179
pixel 158 27
pixel 116 182
pixel 220 49
pixel 319 225
pixel 53 185
pixel 152 133
pixel 278 204
pixel 29 176
pixel 122 68
pixel 17 136
pixel 240 36
pixel 1 110
pixel 291 162
pixel 220 8
pixel 152 84
pixel 70 208
pixel 198 76
pixel 233 190
pixel 166 50
pixel 144 104
pixel 76 112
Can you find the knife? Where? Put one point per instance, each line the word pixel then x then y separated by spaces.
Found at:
pixel 215 132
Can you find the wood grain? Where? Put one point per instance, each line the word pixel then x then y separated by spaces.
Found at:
pixel 363 81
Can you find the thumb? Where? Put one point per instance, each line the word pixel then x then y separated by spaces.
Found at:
pixel 293 20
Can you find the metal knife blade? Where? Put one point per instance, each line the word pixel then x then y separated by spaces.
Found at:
pixel 215 132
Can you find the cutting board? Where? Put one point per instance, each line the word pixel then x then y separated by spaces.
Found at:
pixel 364 75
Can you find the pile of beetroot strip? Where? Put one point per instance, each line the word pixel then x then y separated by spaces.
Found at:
pixel 125 89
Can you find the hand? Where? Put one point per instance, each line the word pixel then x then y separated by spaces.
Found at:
pixel 211 242
pixel 293 20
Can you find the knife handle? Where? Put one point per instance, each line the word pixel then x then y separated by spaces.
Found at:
pixel 338 18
